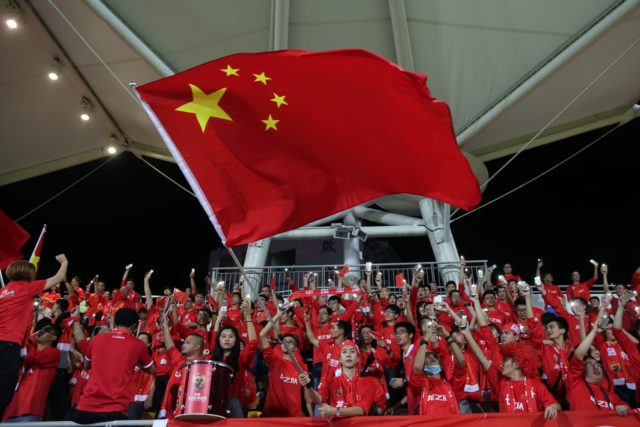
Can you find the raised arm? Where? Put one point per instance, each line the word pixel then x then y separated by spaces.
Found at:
pixel 605 282
pixel 264 333
pixel 192 280
pixel 168 339
pixel 247 312
pixel 148 297
pixel 311 336
pixel 617 319
pixel 476 350
pixel 60 275
pixel 418 362
pixel 583 348
pixel 127 268
pixel 539 268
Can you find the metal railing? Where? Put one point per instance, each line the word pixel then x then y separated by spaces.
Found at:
pixel 322 275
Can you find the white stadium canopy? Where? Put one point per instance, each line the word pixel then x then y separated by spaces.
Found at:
pixel 505 67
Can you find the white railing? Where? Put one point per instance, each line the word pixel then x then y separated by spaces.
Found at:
pixel 261 276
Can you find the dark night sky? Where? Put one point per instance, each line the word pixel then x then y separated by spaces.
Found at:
pixel 127 212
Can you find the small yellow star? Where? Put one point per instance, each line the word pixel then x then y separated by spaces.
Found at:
pixel 279 99
pixel 230 71
pixel 205 106
pixel 262 78
pixel 270 123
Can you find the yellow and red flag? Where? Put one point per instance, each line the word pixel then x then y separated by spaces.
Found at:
pixel 37 251
pixel 272 141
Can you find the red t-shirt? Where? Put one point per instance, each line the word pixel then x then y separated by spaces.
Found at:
pixel 322 333
pixel 113 358
pixel 31 396
pixel 495 316
pixel 340 392
pixel 526 395
pixel 579 396
pixel 437 397
pixel 581 290
pixel 283 396
pixel 16 309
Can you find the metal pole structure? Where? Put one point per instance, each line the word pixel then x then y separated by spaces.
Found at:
pixel 441 239
pixel 256 256
pixel 386 218
pixel 352 245
pixel 133 39
pixel 371 231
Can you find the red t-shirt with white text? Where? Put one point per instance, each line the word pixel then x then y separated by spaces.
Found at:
pixel 16 309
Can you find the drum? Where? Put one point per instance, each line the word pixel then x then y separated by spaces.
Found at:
pixel 204 392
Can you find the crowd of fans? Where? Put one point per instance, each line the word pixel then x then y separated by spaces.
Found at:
pixel 364 347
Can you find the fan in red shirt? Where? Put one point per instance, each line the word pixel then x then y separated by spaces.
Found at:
pixel 373 362
pixel 345 393
pixel 495 316
pixel 192 349
pixel 113 357
pixel 579 289
pixel 517 384
pixel 283 396
pixel 555 355
pixel 585 387
pixel 437 395
pixel 40 364
pixel 126 296
pixel 16 312
pixel 227 349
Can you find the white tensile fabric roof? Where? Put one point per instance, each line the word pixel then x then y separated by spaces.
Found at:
pixel 505 67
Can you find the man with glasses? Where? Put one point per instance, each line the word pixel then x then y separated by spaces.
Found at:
pixel 404 334
pixel 283 397
pixel 40 363
pixel 585 386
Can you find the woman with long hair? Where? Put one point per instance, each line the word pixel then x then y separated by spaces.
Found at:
pixel 227 349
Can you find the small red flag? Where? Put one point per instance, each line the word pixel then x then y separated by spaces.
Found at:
pixel 12 238
pixel 262 137
pixel 179 296
pixel 272 282
pixel 400 280
pixel 344 271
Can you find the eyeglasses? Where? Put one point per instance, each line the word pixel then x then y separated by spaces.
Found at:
pixel 591 365
pixel 290 342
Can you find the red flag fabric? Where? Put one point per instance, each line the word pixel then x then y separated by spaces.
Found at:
pixel 400 280
pixel 179 295
pixel 272 282
pixel 272 141
pixel 344 271
pixel 12 238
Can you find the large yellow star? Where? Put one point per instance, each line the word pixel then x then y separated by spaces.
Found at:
pixel 205 106
pixel 262 78
pixel 279 99
pixel 230 71
pixel 270 123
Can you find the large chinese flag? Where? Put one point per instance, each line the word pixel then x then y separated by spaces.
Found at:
pixel 272 141
pixel 12 238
